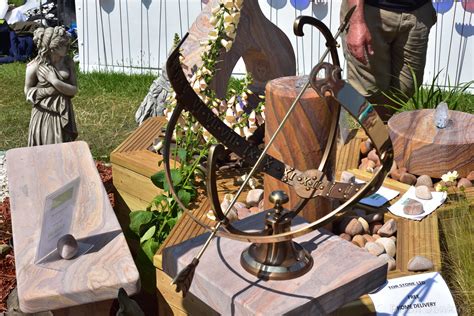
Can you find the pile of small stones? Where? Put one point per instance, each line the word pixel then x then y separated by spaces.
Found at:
pixel 253 204
pixel 371 163
pixel 3 177
pixel 369 232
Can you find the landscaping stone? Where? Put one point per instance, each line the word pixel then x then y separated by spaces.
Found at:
pixel 394 239
pixel 374 227
pixel 397 173
pixel 376 236
pixel 374 157
pixel 367 165
pixel 391 262
pixel 470 176
pixel 388 245
pixel 254 197
pixel 413 207
pixel 374 248
pixel 407 178
pixel 364 223
pixel 420 263
pixel 423 192
pixel 254 210
pixel 424 180
pixel 351 226
pixel 365 147
pixel 368 238
pixel 243 212
pixel 345 236
pixel 388 229
pixel 347 177
pixel 464 182
pixel 358 240
pixel 373 217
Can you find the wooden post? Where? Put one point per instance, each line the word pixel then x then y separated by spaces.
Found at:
pixel 302 141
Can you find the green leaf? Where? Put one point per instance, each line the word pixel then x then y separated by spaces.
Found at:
pixel 185 197
pixel 150 247
pixel 139 218
pixel 159 179
pixel 149 234
pixel 182 153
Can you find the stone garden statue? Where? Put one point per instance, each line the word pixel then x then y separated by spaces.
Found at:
pixel 50 85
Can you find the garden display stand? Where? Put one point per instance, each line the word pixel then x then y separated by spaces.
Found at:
pixel 423 148
pixel 85 285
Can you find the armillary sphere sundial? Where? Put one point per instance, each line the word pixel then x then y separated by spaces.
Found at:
pixel 273 254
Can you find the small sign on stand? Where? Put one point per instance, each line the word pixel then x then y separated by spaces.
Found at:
pixel 57 218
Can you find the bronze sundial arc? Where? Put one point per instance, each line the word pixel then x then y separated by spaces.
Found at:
pixel 308 183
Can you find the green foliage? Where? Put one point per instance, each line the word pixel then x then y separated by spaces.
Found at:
pixel 457 242
pixel 457 97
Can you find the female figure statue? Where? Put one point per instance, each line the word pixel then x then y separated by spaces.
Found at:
pixel 49 85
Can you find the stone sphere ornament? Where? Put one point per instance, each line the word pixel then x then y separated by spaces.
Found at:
pixel 67 247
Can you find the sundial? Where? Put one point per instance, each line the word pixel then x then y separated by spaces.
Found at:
pixel 273 254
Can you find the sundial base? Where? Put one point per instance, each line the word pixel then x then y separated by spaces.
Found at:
pixel 341 272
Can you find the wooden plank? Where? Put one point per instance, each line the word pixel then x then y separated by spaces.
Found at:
pixel 226 287
pixel 141 161
pixel 348 154
pixel 143 136
pixel 93 277
pixel 134 184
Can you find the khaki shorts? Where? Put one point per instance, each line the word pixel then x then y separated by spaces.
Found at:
pixel 399 41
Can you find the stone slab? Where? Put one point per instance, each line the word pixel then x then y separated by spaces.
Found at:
pixel 341 273
pixel 33 173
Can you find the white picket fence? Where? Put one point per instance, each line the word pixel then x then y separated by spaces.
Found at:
pixel 134 36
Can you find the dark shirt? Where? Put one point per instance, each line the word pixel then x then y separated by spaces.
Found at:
pixel 398 6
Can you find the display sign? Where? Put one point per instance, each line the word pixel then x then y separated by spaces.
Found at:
pixel 57 218
pixel 419 294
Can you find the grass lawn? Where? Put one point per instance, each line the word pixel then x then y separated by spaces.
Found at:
pixel 105 108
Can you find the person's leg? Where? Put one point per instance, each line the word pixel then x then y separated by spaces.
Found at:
pixel 409 49
pixel 373 80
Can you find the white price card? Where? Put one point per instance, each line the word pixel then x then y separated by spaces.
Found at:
pixel 57 218
pixel 419 294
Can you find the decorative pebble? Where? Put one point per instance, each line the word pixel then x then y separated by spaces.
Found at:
pixel 424 180
pixel 243 212
pixel 407 178
pixel 347 177
pixel 367 165
pixel 351 226
pixel 374 157
pixel 358 240
pixel 391 262
pixel 423 192
pixel 389 246
pixel 254 196
pixel 394 239
pixel 373 217
pixel 368 238
pixel 420 263
pixel 376 236
pixel 254 210
pixel 374 248
pixel 345 236
pixel 67 247
pixel 374 227
pixel 364 223
pixel 464 182
pixel 210 214
pixel 365 147
pixel 388 229
pixel 397 173
pixel 470 176
pixel 413 207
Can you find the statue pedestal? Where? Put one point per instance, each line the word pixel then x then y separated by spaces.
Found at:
pixel 341 273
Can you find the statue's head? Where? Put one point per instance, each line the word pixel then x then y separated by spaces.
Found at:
pixel 50 41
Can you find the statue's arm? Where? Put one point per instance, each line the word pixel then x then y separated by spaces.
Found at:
pixel 66 88
pixel 33 93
